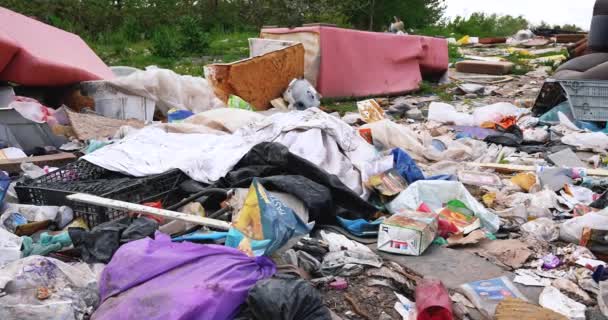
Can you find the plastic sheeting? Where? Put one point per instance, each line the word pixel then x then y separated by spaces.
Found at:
pixel 58 57
pixel 281 170
pixel 388 134
pixel 170 90
pixel 157 279
pixel 436 193
pixel 320 138
pixel 73 290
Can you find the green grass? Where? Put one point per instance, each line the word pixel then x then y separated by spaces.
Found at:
pixel 223 47
pixel 341 105
pixel 442 91
pixel 454 53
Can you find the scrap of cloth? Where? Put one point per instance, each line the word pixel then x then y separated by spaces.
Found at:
pixel 159 279
pixel 322 139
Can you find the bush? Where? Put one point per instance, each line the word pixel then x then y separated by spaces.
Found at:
pixel 195 40
pixel 167 43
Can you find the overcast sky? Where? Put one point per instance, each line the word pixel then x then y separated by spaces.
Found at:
pixel 560 12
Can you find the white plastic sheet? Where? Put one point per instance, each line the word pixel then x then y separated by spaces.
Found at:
pixel 311 134
pixel 572 230
pixel 73 290
pixel 435 193
pixel 170 90
pixel 552 298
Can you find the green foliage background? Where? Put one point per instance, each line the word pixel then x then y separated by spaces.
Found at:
pixel 186 34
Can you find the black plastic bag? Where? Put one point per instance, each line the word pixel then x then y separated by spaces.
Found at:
pixel 284 297
pixel 269 159
pixel 100 244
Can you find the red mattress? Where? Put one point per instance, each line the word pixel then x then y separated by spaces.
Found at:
pixel 34 53
pixel 360 63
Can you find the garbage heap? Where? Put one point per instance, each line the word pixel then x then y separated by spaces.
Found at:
pixel 154 195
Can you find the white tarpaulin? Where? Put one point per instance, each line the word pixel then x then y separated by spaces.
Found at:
pixel 311 134
pixel 170 90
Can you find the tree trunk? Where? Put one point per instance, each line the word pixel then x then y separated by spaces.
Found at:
pixel 372 11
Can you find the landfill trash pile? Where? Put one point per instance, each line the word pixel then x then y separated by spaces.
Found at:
pixel 154 195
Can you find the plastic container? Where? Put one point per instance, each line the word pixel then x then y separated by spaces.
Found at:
pixel 481 179
pixel 588 99
pixel 25 134
pixel 84 177
pixel 112 103
pixel 433 301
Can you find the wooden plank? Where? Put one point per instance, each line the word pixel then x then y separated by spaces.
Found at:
pixel 257 80
pixel 122 205
pixel 53 160
pixel 518 168
pixel 91 126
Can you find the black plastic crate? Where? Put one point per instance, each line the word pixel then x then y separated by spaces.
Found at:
pixel 85 177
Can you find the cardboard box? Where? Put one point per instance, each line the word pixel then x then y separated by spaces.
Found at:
pixel 408 232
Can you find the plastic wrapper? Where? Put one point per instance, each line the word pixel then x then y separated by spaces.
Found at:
pixel 370 110
pixel 264 217
pixel 487 294
pixel 436 193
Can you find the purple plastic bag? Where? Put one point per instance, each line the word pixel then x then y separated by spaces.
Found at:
pixel 160 279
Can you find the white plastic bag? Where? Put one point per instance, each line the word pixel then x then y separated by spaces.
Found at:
pixel 445 113
pixel 435 193
pixel 495 112
pixel 542 228
pixel 595 141
pixel 572 230
pixel 73 290
pixel 10 247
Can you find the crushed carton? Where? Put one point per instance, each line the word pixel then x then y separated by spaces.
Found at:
pixel 408 232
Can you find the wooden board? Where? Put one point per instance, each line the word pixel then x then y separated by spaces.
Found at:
pixel 167 214
pixel 509 168
pixel 88 126
pixel 52 160
pixel 260 79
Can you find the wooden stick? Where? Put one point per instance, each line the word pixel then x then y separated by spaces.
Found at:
pixel 519 168
pixel 122 205
pixel 356 308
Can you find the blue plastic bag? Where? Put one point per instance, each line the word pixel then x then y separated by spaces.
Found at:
pixel 406 166
pixel 5 182
pixel 361 227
